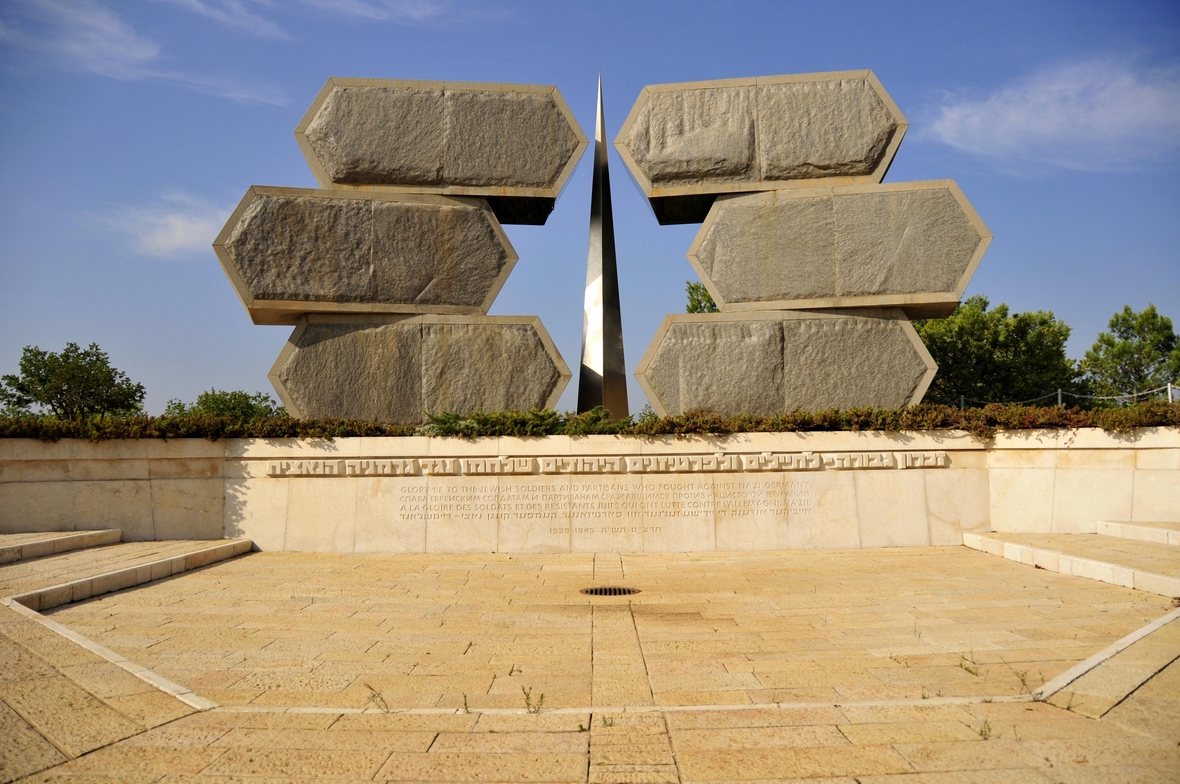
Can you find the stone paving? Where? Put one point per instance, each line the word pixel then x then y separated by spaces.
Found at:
pixel 911 664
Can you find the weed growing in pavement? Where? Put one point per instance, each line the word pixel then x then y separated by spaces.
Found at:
pixel 378 700
pixel 899 660
pixel 963 664
pixel 465 708
pixel 985 731
pixel 608 721
pixel 528 700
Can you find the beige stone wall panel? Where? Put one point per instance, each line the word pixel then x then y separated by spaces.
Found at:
pixel 396 370
pixel 516 144
pixel 290 251
pixel 914 245
pixel 767 363
pixel 1083 496
pixel 1040 482
pixel 1156 496
pixel 684 143
pixel 892 509
pixel 188 508
pixel 390 515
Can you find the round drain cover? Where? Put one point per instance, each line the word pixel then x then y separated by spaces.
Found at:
pixel 609 590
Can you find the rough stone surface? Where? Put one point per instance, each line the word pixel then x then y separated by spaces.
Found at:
pixel 704 137
pixel 769 363
pixel 435 135
pixel 396 370
pixel 285 248
pixel 913 243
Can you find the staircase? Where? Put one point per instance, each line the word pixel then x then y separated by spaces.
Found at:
pixel 1144 556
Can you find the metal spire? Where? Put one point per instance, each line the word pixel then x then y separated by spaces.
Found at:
pixel 603 378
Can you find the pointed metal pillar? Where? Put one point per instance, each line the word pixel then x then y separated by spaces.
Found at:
pixel 603 378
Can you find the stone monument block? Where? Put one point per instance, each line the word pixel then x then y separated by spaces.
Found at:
pixel 767 363
pixel 396 369
pixel 685 143
pixel 290 251
pixel 514 144
pixel 914 245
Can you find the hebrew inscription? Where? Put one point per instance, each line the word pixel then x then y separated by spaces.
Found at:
pixel 720 462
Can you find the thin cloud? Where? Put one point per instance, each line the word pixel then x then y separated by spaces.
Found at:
pixel 234 13
pixel 409 12
pixel 1098 115
pixel 177 225
pixel 82 35
pixel 399 11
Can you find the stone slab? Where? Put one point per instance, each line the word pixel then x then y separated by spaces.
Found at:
pixel 685 143
pixel 389 369
pixel 768 363
pixel 290 251
pixel 516 144
pixel 913 244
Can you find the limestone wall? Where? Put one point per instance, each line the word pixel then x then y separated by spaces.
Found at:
pixel 598 493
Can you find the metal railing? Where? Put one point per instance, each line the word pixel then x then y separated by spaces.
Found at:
pixel 1171 388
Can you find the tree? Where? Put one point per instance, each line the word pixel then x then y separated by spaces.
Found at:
pixel 238 404
pixel 75 384
pixel 992 356
pixel 1138 354
pixel 699 299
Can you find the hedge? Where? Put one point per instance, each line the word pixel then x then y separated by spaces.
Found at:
pixel 982 422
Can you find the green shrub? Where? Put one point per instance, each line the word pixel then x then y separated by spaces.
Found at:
pixel 981 422
pixel 237 405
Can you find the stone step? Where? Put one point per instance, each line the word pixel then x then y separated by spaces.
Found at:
pixel 1145 566
pixel 1160 533
pixel 74 576
pixel 23 547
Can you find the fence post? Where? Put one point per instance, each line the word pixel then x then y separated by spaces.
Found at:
pixel 1169 391
pixel 962 402
pixel 1059 398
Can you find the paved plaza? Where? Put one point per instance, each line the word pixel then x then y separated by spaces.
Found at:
pixel 908 664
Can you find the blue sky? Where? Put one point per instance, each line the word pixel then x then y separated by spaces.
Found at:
pixel 129 130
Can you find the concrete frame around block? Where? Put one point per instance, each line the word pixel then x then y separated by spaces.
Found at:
pixel 563 370
pixel 553 192
pixel 659 192
pixel 917 305
pixel 288 312
pixel 785 315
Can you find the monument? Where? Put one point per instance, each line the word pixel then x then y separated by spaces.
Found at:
pixel 603 378
pixel 815 265
pixel 389 269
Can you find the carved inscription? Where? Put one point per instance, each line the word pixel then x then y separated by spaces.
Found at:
pixel 462 501
pixel 717 463
pixel 763 498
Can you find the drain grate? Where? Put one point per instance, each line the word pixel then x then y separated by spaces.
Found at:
pixel 609 590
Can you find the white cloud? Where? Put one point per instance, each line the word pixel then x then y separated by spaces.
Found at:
pixel 234 13
pixel 82 35
pixel 176 225
pixel 399 11
pixel 1097 115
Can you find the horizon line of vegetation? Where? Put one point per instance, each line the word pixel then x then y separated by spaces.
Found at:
pixel 982 422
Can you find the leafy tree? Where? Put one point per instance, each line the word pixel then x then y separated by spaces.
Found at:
pixel 699 299
pixel 993 356
pixel 238 405
pixel 1139 353
pixel 75 384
